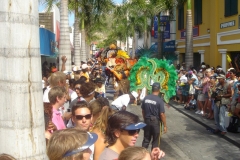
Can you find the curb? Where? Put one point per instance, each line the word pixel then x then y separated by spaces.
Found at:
pixel 227 138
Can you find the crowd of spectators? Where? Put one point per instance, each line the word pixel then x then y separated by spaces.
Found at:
pixel 210 92
pixel 80 123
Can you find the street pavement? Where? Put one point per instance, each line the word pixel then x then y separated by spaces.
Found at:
pixel 189 138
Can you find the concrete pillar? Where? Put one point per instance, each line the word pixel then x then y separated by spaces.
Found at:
pixel 224 58
pixel 202 55
pixel 177 53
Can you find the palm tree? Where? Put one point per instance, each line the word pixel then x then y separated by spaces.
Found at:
pixel 90 13
pixel 73 5
pixel 148 9
pixel 189 37
pixel 21 113
pixel 64 44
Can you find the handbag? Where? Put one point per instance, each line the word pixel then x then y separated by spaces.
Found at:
pixel 191 89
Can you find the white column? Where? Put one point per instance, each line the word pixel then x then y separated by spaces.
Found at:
pixel 202 54
pixel 177 53
pixel 224 58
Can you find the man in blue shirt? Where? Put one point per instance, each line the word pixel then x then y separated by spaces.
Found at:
pixel 153 113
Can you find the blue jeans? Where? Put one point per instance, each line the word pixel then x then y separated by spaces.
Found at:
pixel 219 116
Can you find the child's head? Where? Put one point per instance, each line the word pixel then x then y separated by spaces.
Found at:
pixel 212 80
pixel 134 153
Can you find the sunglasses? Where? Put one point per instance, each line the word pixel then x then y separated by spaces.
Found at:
pixel 80 117
pixel 133 132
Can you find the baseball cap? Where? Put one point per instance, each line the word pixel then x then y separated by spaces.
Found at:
pixel 221 76
pixel 92 138
pixel 135 94
pixel 135 126
pixel 156 86
pixel 76 68
pixel 84 66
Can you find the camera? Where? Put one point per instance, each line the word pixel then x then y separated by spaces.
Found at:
pixel 215 94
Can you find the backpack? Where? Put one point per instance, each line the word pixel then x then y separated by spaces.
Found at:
pixel 233 125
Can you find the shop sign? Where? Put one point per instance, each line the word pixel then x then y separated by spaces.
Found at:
pixel 227 24
pixel 195 32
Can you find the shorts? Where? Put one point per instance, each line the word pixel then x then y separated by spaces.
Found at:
pixel 201 97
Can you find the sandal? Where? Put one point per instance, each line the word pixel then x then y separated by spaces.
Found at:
pixel 216 131
pixel 223 133
pixel 187 108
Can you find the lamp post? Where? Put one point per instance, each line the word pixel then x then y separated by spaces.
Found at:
pixel 162 28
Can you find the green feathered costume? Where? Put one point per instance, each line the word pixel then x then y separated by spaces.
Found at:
pixel 152 69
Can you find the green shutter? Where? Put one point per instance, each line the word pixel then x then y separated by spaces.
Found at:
pixel 197 12
pixel 234 7
pixel 227 8
pixel 180 18
pixel 200 12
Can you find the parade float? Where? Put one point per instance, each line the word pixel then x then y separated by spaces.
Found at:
pixel 138 75
pixel 149 69
pixel 118 66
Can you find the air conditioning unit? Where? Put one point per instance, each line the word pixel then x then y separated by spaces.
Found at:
pixel 42 26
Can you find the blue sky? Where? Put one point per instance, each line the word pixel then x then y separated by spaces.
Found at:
pixel 71 16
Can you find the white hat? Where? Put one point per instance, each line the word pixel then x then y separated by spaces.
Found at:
pixel 135 94
pixel 230 69
pixel 84 66
pixel 76 68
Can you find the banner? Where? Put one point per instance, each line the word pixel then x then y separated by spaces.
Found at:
pixel 169 46
pixel 47 42
pixel 164 19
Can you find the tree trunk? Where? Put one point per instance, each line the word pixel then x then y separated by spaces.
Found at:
pixel 87 50
pixel 189 37
pixel 83 40
pixel 76 43
pixel 128 45
pixel 64 44
pixel 145 33
pixel 21 111
pixel 133 44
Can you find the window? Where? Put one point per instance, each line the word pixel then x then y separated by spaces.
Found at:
pixel 181 18
pixel 197 12
pixel 231 7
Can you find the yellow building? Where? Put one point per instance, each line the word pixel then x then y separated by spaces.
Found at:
pixel 216 30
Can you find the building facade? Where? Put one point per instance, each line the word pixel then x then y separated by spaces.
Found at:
pixel 216 32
